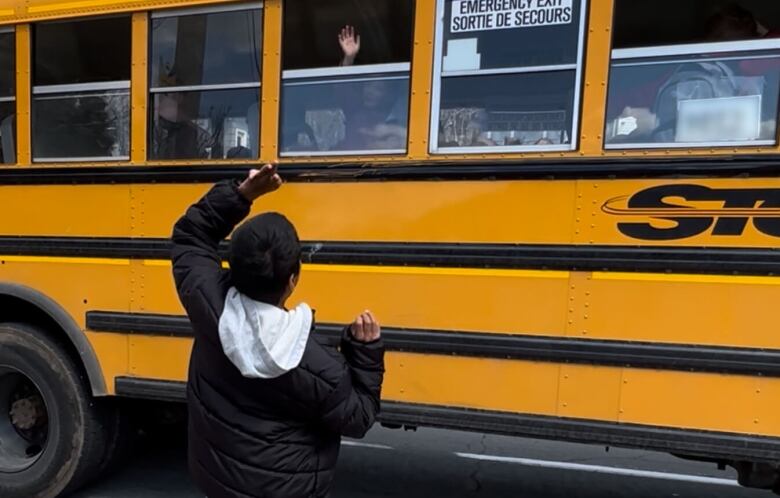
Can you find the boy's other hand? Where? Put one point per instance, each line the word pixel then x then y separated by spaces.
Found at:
pixel 365 328
pixel 260 182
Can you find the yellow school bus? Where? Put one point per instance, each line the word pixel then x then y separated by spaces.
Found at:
pixel 565 212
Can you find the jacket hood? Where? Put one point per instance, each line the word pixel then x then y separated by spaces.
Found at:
pixel 261 340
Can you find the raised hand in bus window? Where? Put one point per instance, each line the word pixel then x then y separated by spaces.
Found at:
pixel 375 111
pixel 350 45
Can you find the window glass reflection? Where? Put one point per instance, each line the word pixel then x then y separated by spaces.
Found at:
pixel 214 124
pixel 7 133
pixel 648 24
pixel 90 120
pixel 532 109
pixel 365 114
pixel 84 125
pixel 346 81
pixel 695 100
pixel 206 49
pixel 84 51
pixel 7 69
pixel 311 28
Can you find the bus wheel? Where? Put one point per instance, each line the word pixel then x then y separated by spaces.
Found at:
pixel 52 432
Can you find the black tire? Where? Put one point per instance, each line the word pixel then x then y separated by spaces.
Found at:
pixel 76 439
pixel 121 436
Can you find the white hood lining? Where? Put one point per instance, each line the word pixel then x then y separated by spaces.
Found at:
pixel 261 340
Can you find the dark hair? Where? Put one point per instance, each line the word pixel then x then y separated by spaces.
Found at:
pixel 732 22
pixel 264 253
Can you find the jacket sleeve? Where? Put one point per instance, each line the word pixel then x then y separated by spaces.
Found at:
pixel 197 265
pixel 353 405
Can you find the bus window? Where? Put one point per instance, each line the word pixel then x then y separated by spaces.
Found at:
pixel 81 90
pixel 508 76
pixel 205 83
pixel 7 97
pixel 346 77
pixel 707 76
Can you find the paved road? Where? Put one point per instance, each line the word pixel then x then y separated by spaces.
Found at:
pixel 433 463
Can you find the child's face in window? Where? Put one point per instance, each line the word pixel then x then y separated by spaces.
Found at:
pixel 374 93
pixel 169 106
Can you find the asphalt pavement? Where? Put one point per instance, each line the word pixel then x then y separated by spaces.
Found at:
pixel 431 463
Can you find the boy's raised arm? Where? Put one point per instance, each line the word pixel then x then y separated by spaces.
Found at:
pixel 197 234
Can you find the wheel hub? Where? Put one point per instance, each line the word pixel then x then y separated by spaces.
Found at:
pixel 24 421
pixel 27 413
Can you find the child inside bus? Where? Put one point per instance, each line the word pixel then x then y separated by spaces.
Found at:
pixel 268 398
pixel 652 106
pixel 377 119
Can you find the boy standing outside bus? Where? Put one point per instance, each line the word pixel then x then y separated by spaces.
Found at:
pixel 268 400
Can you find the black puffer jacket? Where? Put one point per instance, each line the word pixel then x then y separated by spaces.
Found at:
pixel 254 437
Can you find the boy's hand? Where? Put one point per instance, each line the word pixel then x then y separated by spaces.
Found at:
pixel 365 328
pixel 260 182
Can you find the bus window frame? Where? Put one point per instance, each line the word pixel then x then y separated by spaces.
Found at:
pixel 258 85
pixel 5 30
pixel 204 10
pixel 67 88
pixel 439 75
pixel 72 88
pixel 351 74
pixel 662 54
pixel 317 72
